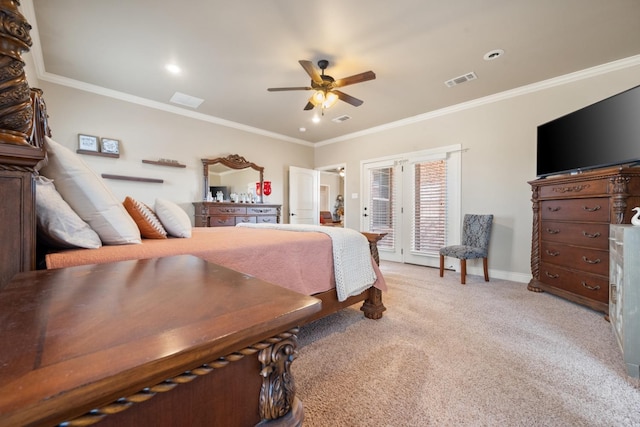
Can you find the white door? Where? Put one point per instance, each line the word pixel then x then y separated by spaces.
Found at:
pixel 414 199
pixel 304 185
pixel 429 207
pixel 381 206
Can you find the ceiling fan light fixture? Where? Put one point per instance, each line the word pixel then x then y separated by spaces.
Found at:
pixel 318 97
pixel 330 100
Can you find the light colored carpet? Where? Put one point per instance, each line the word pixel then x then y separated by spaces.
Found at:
pixel 444 354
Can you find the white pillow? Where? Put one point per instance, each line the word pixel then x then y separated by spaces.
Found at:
pixel 173 218
pixel 57 223
pixel 89 196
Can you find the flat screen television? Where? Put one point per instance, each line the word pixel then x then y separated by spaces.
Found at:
pixel 606 133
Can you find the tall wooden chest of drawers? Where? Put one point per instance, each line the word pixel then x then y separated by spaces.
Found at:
pixel 570 239
pixel 225 214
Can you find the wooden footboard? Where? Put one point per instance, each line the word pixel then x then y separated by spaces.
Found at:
pixel 372 297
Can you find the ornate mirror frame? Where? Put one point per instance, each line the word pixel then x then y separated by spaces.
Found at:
pixel 233 161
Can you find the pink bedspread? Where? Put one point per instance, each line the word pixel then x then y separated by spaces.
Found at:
pixel 302 262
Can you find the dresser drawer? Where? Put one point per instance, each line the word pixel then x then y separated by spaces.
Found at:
pixel 261 211
pixel 578 189
pixel 267 219
pixel 245 219
pixel 591 235
pixel 575 257
pixel 227 210
pixel 222 221
pixel 594 209
pixel 591 286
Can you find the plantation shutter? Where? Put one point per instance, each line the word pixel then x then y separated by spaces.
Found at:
pixel 430 207
pixel 382 204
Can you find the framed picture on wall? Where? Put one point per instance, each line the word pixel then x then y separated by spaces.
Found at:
pixel 111 146
pixel 87 142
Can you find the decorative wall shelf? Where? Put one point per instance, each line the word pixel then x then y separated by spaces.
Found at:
pixel 132 178
pixel 97 153
pixel 163 163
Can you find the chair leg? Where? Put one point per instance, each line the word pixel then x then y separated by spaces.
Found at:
pixel 463 271
pixel 486 269
pixel 441 265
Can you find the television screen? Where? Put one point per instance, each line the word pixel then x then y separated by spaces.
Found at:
pixel 603 134
pixel 225 192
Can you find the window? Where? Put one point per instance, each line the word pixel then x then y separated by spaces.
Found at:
pixel 382 206
pixel 430 207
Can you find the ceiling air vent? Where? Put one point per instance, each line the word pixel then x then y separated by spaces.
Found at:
pixel 461 79
pixel 341 119
pixel 186 100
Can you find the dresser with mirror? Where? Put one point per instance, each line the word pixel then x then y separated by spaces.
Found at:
pixel 233 194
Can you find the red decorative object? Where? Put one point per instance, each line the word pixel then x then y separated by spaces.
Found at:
pixel 267 188
pixel 258 189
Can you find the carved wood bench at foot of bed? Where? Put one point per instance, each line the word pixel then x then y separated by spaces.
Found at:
pixel 161 342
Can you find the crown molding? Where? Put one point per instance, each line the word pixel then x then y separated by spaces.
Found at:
pixel 621 64
pixel 36 51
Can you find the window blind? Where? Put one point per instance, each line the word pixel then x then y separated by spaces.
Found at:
pixel 430 207
pixel 382 204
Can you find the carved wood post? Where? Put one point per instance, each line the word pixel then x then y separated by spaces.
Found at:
pixel 278 389
pixel 373 306
pixel 535 241
pixel 619 197
pixel 15 101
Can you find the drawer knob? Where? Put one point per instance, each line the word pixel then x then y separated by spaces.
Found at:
pixel 593 209
pixel 590 235
pixel 554 209
pixel 591 261
pixel 550 231
pixel 591 288
pixel 556 253
pixel 551 276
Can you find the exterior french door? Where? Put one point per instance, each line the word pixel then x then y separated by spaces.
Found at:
pixel 413 199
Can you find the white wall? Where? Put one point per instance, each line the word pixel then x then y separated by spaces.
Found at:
pixel 147 133
pixel 500 139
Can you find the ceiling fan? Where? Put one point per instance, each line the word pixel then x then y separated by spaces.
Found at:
pixel 325 86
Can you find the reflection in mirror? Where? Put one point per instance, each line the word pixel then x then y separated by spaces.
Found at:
pixel 233 172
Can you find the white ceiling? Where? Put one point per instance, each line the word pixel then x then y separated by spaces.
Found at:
pixel 231 51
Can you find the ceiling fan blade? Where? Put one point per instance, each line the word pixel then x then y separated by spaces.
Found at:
pixel 311 70
pixel 348 98
pixel 358 78
pixel 279 89
pixel 311 104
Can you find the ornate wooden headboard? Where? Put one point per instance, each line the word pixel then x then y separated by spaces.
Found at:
pixel 23 125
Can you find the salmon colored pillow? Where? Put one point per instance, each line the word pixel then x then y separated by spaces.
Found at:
pixel 146 220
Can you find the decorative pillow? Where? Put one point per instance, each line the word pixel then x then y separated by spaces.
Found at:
pixel 147 221
pixel 57 223
pixel 89 197
pixel 174 218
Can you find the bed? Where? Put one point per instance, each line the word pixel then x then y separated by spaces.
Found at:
pixel 263 253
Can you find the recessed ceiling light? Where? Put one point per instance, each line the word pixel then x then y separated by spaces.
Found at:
pixel 493 54
pixel 302 129
pixel 173 68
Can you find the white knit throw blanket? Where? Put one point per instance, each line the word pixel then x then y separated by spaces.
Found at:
pixel 351 256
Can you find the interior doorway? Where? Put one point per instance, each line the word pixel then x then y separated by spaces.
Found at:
pixel 332 180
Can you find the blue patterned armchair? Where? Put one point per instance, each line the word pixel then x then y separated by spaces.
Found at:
pixel 476 231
